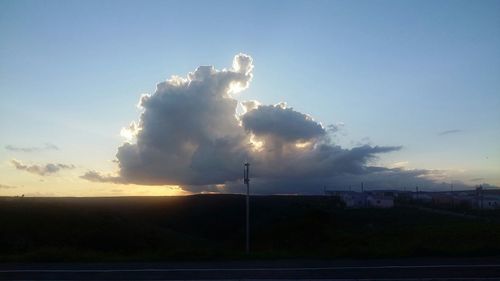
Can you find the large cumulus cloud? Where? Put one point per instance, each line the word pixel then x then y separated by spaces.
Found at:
pixel 191 134
pixel 188 132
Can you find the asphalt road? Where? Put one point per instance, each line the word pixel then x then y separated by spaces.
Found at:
pixel 414 269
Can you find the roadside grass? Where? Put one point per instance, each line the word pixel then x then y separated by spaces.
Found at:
pixel 208 227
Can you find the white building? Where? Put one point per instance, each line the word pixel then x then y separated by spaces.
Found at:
pixel 381 201
pixel 489 202
pixel 353 199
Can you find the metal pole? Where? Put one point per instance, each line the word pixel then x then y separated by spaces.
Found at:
pixel 452 196
pixel 482 195
pixel 247 182
pixel 248 219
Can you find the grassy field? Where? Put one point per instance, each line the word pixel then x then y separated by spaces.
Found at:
pixel 212 227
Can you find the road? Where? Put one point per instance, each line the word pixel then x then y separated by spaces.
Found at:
pixel 408 269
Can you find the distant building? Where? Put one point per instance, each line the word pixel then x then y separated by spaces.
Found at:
pixel 479 198
pixel 487 198
pixel 354 199
pixel 490 202
pixel 379 201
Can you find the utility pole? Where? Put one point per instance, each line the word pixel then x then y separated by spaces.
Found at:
pixel 478 197
pixel 482 195
pixel 452 196
pixel 363 193
pixel 246 180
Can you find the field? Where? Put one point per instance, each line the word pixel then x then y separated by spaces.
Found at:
pixel 208 227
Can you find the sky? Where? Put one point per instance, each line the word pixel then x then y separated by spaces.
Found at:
pixel 406 90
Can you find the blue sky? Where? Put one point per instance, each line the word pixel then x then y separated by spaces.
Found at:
pixel 394 72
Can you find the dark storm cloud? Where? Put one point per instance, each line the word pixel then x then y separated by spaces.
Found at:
pixel 41 170
pixel 319 161
pixel 47 146
pixel 191 134
pixel 372 178
pixel 449 132
pixel 281 122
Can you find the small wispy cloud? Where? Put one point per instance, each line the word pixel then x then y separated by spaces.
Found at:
pixel 3 186
pixel 449 132
pixel 400 164
pixel 335 128
pixel 39 194
pixel 97 177
pixel 46 146
pixel 41 170
pixel 477 179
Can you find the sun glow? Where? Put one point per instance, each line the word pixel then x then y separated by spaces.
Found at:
pixel 257 145
pixel 130 132
pixel 236 87
pixel 303 145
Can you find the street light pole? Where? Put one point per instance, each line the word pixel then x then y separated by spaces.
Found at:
pixel 247 182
